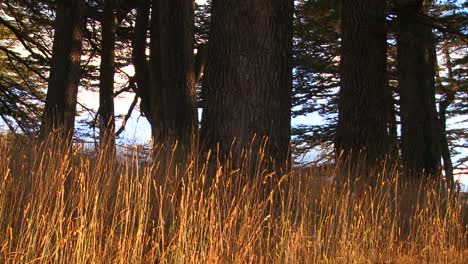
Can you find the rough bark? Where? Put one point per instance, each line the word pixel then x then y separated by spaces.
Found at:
pixel 166 85
pixel 248 76
pixel 177 86
pixel 60 106
pixel 106 78
pixel 363 113
pixel 420 138
pixel 155 70
pixel 148 73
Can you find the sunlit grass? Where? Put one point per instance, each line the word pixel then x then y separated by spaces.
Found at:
pixel 66 207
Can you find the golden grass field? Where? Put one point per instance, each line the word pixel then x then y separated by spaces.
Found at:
pixel 61 206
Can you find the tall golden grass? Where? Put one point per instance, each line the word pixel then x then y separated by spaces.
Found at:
pixel 61 206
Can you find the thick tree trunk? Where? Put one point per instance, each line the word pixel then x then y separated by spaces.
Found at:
pixel 248 76
pixel 363 113
pixel 166 85
pixel 177 84
pixel 148 74
pixel 60 106
pixel 155 92
pixel 106 78
pixel 420 131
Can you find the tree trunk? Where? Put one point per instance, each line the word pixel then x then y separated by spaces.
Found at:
pixel 248 76
pixel 167 85
pixel 139 59
pixel 148 74
pixel 420 138
pixel 449 96
pixel 445 150
pixel 60 106
pixel 155 92
pixel 106 78
pixel 363 113
pixel 177 86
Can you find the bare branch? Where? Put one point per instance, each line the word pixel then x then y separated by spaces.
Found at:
pixel 127 116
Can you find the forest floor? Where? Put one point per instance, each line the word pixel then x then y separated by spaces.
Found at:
pixel 59 206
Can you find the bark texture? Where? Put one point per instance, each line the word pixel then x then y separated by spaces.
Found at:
pixel 60 106
pixel 248 76
pixel 363 113
pixel 166 84
pixel 420 131
pixel 178 116
pixel 106 78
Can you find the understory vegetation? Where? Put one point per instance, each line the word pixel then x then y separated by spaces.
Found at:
pixel 61 206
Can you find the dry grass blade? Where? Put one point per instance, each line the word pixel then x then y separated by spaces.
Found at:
pixel 61 206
